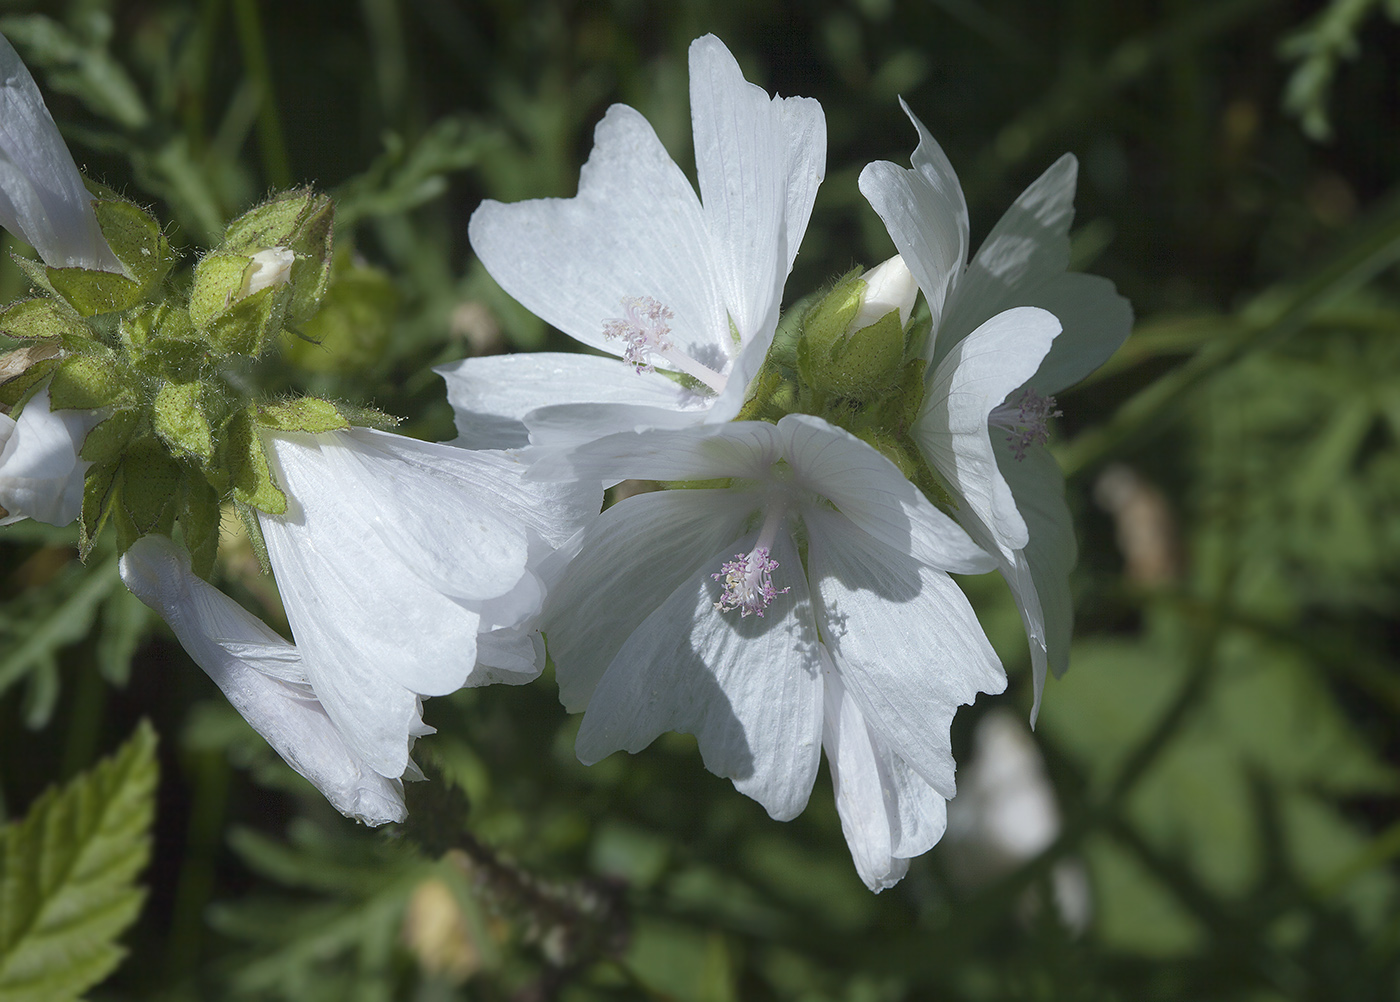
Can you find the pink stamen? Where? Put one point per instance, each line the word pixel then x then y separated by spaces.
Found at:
pixel 645 331
pixel 1027 420
pixel 748 583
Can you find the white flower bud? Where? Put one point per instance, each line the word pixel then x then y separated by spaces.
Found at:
pixel 267 268
pixel 888 286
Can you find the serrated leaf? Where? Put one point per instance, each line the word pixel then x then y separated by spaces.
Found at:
pixel 308 414
pixel 179 420
pixel 247 465
pixel 68 876
pixel 32 319
pixel 85 382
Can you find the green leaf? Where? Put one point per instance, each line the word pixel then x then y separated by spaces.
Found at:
pixel 13 391
pixel 150 481
pixel 218 277
pixel 349 331
pixel 179 420
pixel 41 318
pixel 309 414
pixel 68 876
pixel 85 382
pixel 247 465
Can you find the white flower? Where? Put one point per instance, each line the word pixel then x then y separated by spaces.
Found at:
pixel 636 265
pixel 42 197
pixel 41 473
pixel 805 603
pixel 997 364
pixel 404 567
pixel 264 678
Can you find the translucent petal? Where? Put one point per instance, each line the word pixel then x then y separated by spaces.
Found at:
pixel 976 376
pixel 41 473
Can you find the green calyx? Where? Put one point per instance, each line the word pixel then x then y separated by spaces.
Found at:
pixel 868 381
pixel 178 441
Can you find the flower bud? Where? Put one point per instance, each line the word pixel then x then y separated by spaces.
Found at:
pixel 888 286
pixel 266 268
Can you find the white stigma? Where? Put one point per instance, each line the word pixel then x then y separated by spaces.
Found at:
pixel 645 330
pixel 1026 420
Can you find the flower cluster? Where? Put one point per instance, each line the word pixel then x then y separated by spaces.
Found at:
pixel 787 591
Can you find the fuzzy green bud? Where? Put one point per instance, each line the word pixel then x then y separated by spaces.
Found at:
pixel 853 340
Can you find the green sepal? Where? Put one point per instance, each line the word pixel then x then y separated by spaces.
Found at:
pixel 218 277
pixel 274 223
pixel 104 444
pixel 308 414
pixel 200 516
pixel 866 362
pixel 824 326
pixel 35 319
pixel 253 528
pixel 150 482
pixel 36 271
pixel 86 382
pixel 156 327
pixel 136 239
pixel 94 292
pixel 311 271
pixel 179 419
pixel 368 417
pixel 246 327
pixel 100 490
pixel 246 462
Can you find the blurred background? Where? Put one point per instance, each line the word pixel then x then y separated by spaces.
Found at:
pixel 1208 808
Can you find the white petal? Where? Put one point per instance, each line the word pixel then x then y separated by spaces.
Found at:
pixel 1028 247
pixel 1051 553
pixel 559 429
pixel 1096 322
pixel 490 396
pixel 976 376
pixel 41 473
pixel 925 214
pixel 257 671
pixel 906 642
pixel 870 491
pixel 749 689
pixel 737 449
pixel 42 197
pixel 635 229
pixel 759 161
pixel 637 553
pixel 383 539
pixel 888 813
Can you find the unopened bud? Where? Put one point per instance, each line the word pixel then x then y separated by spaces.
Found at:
pixel 266 268
pixel 889 286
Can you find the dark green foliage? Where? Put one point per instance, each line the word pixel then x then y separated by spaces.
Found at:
pixel 1223 747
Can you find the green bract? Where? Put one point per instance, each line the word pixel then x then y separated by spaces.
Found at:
pixel 177 439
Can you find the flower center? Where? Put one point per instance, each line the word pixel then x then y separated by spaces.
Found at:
pixel 748 578
pixel 1026 420
pixel 645 331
